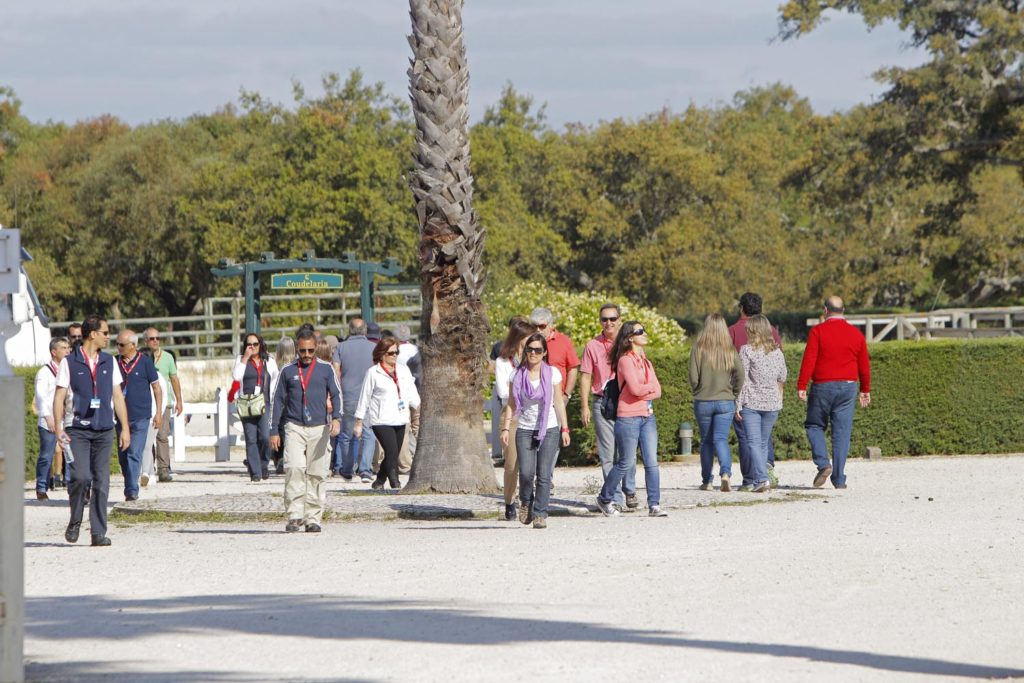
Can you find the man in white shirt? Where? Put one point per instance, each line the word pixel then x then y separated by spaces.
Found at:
pixel 409 356
pixel 46 384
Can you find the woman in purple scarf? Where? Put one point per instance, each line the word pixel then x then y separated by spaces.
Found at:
pixel 535 398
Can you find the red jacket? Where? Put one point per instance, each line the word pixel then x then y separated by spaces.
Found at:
pixel 835 351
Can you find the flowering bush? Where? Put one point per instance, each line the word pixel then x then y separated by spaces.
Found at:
pixel 576 314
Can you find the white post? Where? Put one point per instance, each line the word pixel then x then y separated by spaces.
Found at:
pixel 12 477
pixel 178 429
pixel 223 448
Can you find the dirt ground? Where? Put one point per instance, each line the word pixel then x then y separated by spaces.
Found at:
pixel 912 573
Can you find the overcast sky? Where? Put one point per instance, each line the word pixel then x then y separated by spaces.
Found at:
pixel 589 60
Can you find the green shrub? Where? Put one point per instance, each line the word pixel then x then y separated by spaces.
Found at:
pixel 928 397
pixel 576 314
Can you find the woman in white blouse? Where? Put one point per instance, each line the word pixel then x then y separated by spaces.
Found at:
pixel 504 367
pixel 256 372
pixel 389 391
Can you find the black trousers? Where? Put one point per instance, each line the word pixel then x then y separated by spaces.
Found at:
pixel 390 439
pixel 92 451
pixel 257 445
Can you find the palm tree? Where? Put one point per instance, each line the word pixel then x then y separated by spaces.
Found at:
pixel 451 452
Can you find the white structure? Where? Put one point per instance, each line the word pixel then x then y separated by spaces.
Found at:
pixel 12 499
pixel 27 342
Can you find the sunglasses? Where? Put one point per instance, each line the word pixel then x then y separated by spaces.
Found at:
pixel 252 343
pixel 309 352
pixel 535 349
pixel 609 320
pixel 391 353
pixel 120 344
pixel 152 338
pixel 637 332
pixel 74 337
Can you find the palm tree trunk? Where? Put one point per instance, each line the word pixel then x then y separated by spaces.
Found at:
pixel 451 452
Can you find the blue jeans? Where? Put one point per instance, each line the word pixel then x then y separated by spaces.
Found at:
pixel 745 453
pixel 714 419
pixel 47 442
pixel 831 402
pixel 629 433
pixel 348 448
pixel 757 432
pixel 131 459
pixel 537 465
pixel 604 430
pixel 257 445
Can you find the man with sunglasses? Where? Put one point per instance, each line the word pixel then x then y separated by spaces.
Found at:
pixel 141 389
pixel 74 334
pixel 166 366
pixel 595 371
pixel 95 380
pixel 300 404
pixel 561 352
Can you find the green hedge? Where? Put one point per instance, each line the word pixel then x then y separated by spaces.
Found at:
pixel 928 397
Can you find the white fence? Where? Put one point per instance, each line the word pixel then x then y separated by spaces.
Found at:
pixel 964 323
pixel 217 332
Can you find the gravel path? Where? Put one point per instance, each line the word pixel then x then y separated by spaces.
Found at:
pixel 913 573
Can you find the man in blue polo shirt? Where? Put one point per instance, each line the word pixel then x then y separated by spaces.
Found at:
pixel 95 383
pixel 140 387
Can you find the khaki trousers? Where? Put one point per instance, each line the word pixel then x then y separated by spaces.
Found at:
pixel 306 462
pixel 163 446
pixel 511 463
pixel 409 444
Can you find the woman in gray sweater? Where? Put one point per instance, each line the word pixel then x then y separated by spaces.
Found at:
pixel 716 377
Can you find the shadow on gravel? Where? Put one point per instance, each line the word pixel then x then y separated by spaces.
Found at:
pixel 94 672
pixel 341 619
pixel 231 532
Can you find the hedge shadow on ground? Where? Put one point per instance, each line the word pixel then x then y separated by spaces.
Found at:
pixel 340 618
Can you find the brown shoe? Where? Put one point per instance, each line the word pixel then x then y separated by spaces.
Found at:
pixel 41 495
pixel 540 523
pixel 822 476
pixel 525 513
pixel 725 483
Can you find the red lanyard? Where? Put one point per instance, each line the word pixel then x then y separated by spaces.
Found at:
pixel 53 368
pixel 92 369
pixel 259 373
pixel 394 377
pixel 128 370
pixel 304 381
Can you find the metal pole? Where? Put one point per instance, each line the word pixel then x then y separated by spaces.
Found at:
pixel 365 298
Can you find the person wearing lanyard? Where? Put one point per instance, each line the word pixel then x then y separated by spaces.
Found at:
pixel 140 387
pixel 95 382
pixel 255 371
pixel 389 391
pixel 300 404
pixel 46 384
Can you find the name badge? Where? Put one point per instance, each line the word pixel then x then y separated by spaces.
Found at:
pixel 306 415
pixel 401 405
pixel 94 404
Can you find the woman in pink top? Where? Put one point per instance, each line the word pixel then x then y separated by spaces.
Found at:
pixel 634 422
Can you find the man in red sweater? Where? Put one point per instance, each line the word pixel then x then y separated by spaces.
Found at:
pixel 835 360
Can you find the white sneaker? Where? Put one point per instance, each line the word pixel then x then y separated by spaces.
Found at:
pixel 656 511
pixel 608 509
pixel 367 479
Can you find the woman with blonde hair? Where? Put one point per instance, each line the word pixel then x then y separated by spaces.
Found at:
pixel 760 399
pixel 716 377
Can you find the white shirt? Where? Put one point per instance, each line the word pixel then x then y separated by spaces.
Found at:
pixel 503 370
pixel 406 352
pixel 238 372
pixel 531 409
pixel 379 402
pixel 46 385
